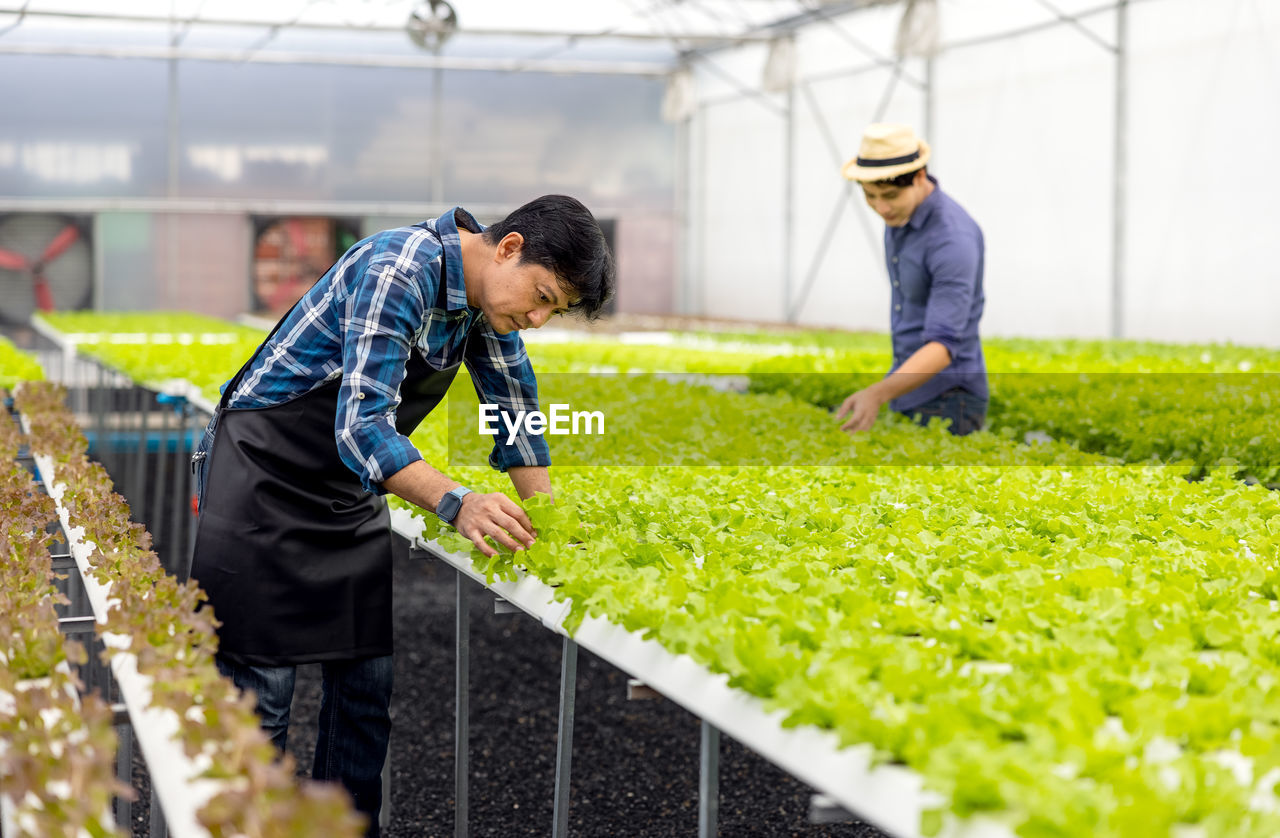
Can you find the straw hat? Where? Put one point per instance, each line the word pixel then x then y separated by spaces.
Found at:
pixel 887 151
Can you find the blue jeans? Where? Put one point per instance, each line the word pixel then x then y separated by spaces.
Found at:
pixel 354 723
pixel 966 411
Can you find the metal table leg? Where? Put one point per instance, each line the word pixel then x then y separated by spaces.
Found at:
pixel 124 773
pixel 709 781
pixel 564 741
pixel 178 496
pixel 462 680
pixel 159 826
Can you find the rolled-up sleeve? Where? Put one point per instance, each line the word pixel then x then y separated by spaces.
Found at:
pixel 954 263
pixel 503 375
pixel 379 322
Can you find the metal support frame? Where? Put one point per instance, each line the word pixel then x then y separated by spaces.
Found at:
pixel 1121 168
pixel 930 113
pixel 564 737
pixel 138 470
pixel 709 740
pixel 437 134
pixel 682 213
pixel 789 200
pixel 124 772
pixel 462 682
pixel 846 198
pixel 652 69
pixel 156 518
pixel 77 623
pixel 927 85
pixel 613 33
pixel 708 780
pixel 159 828
pixel 180 564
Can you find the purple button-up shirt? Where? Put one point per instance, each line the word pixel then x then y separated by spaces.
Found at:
pixel 935 270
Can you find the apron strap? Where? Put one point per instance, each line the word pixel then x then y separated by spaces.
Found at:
pixel 235 380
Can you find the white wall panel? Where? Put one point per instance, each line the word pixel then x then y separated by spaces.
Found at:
pixel 1204 255
pixel 1023 141
pixel 739 224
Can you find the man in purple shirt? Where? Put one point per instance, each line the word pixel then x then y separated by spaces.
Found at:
pixel 934 253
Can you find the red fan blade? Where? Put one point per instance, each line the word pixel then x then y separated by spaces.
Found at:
pixel 298 236
pixel 12 261
pixel 44 296
pixel 60 243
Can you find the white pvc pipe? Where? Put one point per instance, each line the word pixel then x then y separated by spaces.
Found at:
pixel 175 778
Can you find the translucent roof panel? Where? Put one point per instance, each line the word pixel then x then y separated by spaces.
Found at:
pixel 641 36
pixel 657 17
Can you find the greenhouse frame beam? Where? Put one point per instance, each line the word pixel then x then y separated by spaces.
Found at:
pixel 691 38
pixel 410 62
pixel 1059 20
pixel 255 206
pixel 845 198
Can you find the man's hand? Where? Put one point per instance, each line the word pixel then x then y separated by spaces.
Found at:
pixel 497 516
pixel 493 514
pixel 863 407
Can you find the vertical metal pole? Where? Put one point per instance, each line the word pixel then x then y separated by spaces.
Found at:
pixel 159 827
pixel 124 773
pixel 138 500
pixel 709 781
pixel 682 217
pixel 704 179
pixel 129 411
pixel 68 363
pixel 178 496
pixel 1121 170
pixel 437 134
pixel 158 508
pixel 194 520
pixel 928 99
pixel 171 186
pixel 99 417
pixel 788 200
pixel 462 682
pixel 564 739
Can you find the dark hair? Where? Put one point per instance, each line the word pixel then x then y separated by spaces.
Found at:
pixel 902 181
pixel 562 235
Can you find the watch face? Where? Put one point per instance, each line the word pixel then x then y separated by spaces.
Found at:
pixel 448 508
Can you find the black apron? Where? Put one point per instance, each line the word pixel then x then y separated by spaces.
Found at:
pixel 294 554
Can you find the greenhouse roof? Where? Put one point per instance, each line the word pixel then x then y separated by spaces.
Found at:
pixel 628 36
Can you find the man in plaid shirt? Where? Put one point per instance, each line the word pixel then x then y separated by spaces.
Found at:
pixel 293 543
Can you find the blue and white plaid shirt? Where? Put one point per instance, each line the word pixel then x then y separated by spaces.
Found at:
pixel 360 321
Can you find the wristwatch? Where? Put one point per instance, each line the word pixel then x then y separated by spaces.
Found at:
pixel 451 503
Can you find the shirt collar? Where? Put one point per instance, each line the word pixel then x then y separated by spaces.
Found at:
pixel 447 228
pixel 922 213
